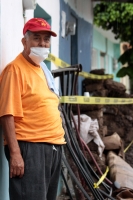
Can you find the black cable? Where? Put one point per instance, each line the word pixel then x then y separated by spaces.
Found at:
pixel 107 195
pixel 107 187
pixel 90 168
pixel 83 159
pixel 75 142
pixel 68 190
pixel 80 155
pixel 88 179
pixel 75 179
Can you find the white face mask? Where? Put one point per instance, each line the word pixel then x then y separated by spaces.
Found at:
pixel 38 54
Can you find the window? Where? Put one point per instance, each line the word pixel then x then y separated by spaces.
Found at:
pixel 94 64
pixel 115 64
pixel 102 60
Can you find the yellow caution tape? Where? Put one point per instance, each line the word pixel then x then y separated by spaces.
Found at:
pixel 95 100
pixel 96 185
pixel 60 63
pixel 128 146
pixel 95 76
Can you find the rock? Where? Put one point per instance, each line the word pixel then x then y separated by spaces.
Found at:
pixel 100 93
pixel 86 109
pixel 120 171
pixel 94 87
pixel 112 142
pixel 100 121
pixel 114 124
pixel 129 154
pixel 101 162
pixel 98 71
pixel 103 131
pixel 89 81
pixel 113 109
pixel 92 146
pixel 115 89
pixel 95 114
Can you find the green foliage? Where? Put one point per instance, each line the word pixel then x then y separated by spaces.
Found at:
pixel 117 17
pixel 126 57
pixel 126 71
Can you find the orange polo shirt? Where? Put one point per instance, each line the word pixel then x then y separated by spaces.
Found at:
pixel 24 93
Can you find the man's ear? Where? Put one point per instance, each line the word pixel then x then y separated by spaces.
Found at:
pixel 24 42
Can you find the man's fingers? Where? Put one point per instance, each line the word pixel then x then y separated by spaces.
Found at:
pixel 18 171
pixel 16 165
pixel 13 172
pixel 21 173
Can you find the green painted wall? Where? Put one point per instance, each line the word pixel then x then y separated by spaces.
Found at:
pixel 99 42
pixel 112 50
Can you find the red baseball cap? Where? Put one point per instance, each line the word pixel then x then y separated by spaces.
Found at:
pixel 37 24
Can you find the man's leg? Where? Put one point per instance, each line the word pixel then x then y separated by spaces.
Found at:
pixel 55 173
pixel 39 167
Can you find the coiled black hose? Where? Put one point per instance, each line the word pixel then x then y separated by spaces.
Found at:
pixel 79 161
pixel 79 152
pixel 74 178
pixel 71 198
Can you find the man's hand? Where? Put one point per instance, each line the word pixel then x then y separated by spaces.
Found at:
pixel 16 165
pixel 16 160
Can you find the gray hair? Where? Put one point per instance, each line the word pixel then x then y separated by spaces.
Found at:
pixel 27 34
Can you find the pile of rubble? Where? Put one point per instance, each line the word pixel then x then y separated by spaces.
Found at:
pixel 111 118
pixel 115 130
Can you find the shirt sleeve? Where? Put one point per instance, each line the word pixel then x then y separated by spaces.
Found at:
pixel 10 93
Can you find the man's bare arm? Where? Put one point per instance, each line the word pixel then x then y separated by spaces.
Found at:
pixel 16 160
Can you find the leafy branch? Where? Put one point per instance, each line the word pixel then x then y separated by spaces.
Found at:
pixel 118 17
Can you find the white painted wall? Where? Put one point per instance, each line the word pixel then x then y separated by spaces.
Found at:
pixel 11 21
pixel 52 7
pixel 83 8
pixel 107 34
pixel 11 30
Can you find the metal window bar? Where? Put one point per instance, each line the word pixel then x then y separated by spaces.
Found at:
pixel 68 82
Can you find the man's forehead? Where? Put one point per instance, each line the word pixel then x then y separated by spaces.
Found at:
pixel 44 33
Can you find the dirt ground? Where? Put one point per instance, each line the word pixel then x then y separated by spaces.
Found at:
pixel 64 197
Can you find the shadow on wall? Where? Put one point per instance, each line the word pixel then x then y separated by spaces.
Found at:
pixel 3 171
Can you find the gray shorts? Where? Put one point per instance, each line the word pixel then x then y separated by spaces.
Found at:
pixel 42 170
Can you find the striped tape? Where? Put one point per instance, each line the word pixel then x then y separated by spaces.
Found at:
pixel 57 61
pixel 95 100
pixel 128 146
pixel 60 63
pixel 96 185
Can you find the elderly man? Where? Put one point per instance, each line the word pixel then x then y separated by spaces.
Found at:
pixel 32 126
